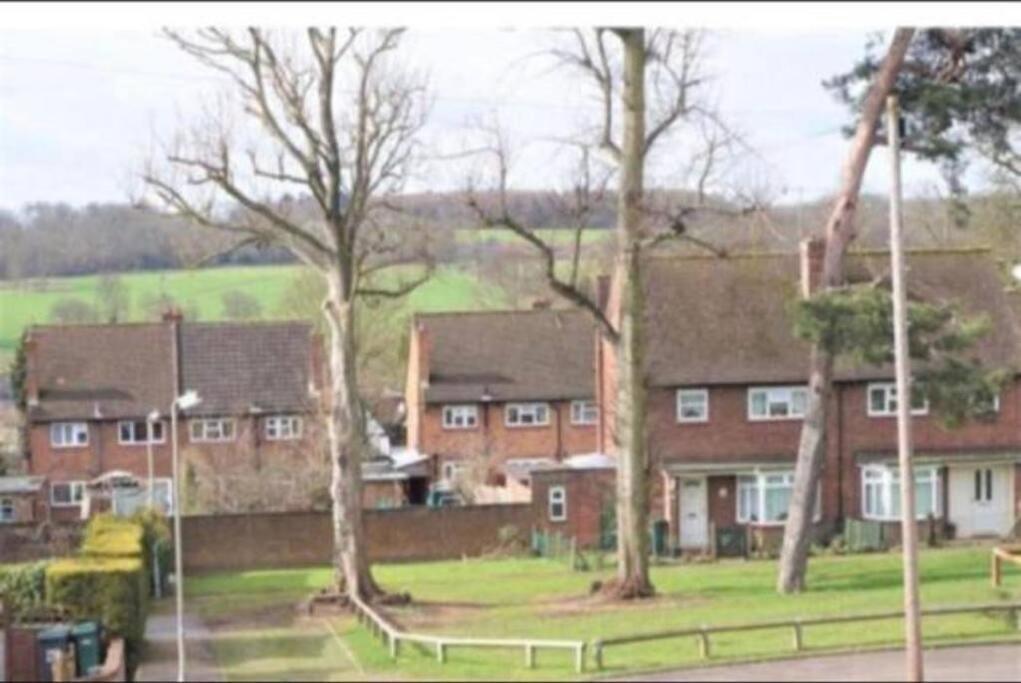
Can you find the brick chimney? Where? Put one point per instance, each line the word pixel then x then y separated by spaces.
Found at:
pixel 417 381
pixel 31 371
pixel 811 252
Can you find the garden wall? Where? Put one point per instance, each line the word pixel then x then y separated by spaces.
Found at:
pixel 296 539
pixel 28 542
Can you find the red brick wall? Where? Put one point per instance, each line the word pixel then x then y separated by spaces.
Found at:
pixel 588 493
pixel 494 440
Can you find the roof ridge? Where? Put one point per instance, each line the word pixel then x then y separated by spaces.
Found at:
pixel 500 311
pixel 150 323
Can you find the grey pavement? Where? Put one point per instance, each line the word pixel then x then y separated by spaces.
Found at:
pixel 975 663
pixel 159 660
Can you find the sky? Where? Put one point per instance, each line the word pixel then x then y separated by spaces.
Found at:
pixel 80 109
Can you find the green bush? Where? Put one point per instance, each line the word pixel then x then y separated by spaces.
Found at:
pixel 23 586
pixel 111 589
pixel 109 536
pixel 156 543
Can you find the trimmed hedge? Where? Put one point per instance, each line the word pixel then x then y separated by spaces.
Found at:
pixel 23 586
pixel 109 536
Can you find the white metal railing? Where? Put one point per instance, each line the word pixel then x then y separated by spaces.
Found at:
pixel 393 637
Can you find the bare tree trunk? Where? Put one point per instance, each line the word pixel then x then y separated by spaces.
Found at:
pixel 346 427
pixel 840 231
pixel 630 429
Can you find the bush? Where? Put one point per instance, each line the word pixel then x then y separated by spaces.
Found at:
pixel 156 544
pixel 23 586
pixel 111 589
pixel 109 536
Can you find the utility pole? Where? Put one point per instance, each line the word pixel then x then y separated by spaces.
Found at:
pixel 909 526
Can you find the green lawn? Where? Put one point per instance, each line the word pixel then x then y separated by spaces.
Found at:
pixel 200 292
pixel 542 599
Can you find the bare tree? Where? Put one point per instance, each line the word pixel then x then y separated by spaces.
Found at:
pixel 668 63
pixel 840 231
pixel 337 118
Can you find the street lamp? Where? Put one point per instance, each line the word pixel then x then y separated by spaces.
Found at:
pixel 187 400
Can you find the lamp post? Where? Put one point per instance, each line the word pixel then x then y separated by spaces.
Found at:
pixel 153 417
pixel 187 400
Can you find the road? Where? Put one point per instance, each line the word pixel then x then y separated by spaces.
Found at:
pixel 976 663
pixel 160 655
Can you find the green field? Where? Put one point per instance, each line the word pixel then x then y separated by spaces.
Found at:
pixel 543 599
pixel 200 293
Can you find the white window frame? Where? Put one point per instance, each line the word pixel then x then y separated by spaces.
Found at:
pixel 584 412
pixel 983 485
pixel 199 429
pixel 776 395
pixel 284 427
pixel 76 499
pixel 520 409
pixel 889 390
pixel 460 416
pixel 761 482
pixel 8 512
pixel 144 439
pixel 557 495
pixel 883 479
pixel 452 471
pixel 702 395
pixel 71 429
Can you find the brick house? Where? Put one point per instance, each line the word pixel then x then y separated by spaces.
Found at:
pixel 727 381
pixel 90 389
pixel 485 389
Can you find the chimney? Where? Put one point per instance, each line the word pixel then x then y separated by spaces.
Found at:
pixel 31 371
pixel 173 314
pixel 811 251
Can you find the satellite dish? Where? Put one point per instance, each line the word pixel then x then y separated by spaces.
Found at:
pixel 1016 271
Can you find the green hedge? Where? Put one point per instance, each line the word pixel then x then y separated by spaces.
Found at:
pixel 111 589
pixel 23 586
pixel 109 536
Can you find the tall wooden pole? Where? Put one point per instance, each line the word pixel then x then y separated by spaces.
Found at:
pixel 909 526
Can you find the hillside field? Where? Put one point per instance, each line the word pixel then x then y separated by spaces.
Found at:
pixel 200 293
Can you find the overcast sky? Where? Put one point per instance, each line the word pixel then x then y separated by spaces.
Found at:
pixel 79 110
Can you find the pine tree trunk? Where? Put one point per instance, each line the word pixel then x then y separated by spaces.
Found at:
pixel 347 442
pixel 840 231
pixel 630 429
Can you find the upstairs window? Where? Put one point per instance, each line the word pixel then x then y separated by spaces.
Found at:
pixel 692 405
pixel 526 414
pixel 777 403
pixel 584 412
pixel 283 427
pixel 883 401
pixel 557 504
pixel 131 432
pixel 69 434
pixel 212 430
pixel 460 417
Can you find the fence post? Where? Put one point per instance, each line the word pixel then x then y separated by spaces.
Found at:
pixel 394 646
pixel 529 656
pixel 797 635
pixel 441 652
pixel 579 658
pixel 703 643
pixel 996 570
pixel 597 652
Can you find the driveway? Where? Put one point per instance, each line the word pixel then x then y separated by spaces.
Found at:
pixel 977 663
pixel 160 654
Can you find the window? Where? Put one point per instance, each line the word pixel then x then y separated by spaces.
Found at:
pixel 692 405
pixel 764 498
pixel 6 510
pixel 131 432
pixel 983 485
pixel 219 429
pixel 881 493
pixel 67 493
pixel 69 434
pixel 883 401
pixel 777 403
pixel 584 412
pixel 460 417
pixel 557 504
pixel 526 414
pixel 283 427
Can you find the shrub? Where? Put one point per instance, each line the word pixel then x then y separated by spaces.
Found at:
pixel 156 544
pixel 22 586
pixel 111 589
pixel 109 536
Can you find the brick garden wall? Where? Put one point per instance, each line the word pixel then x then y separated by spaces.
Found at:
pixel 30 541
pixel 294 539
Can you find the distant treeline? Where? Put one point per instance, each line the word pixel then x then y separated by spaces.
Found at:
pixel 51 240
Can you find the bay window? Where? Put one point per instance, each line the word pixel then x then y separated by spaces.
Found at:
pixel 763 498
pixel 880 493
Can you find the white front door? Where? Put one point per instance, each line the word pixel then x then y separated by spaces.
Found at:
pixel 981 499
pixel 694 513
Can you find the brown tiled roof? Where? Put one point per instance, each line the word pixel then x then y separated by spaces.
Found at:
pixel 513 355
pixel 721 321
pixel 126 370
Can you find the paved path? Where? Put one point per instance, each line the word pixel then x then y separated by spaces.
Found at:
pixel 976 663
pixel 160 661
